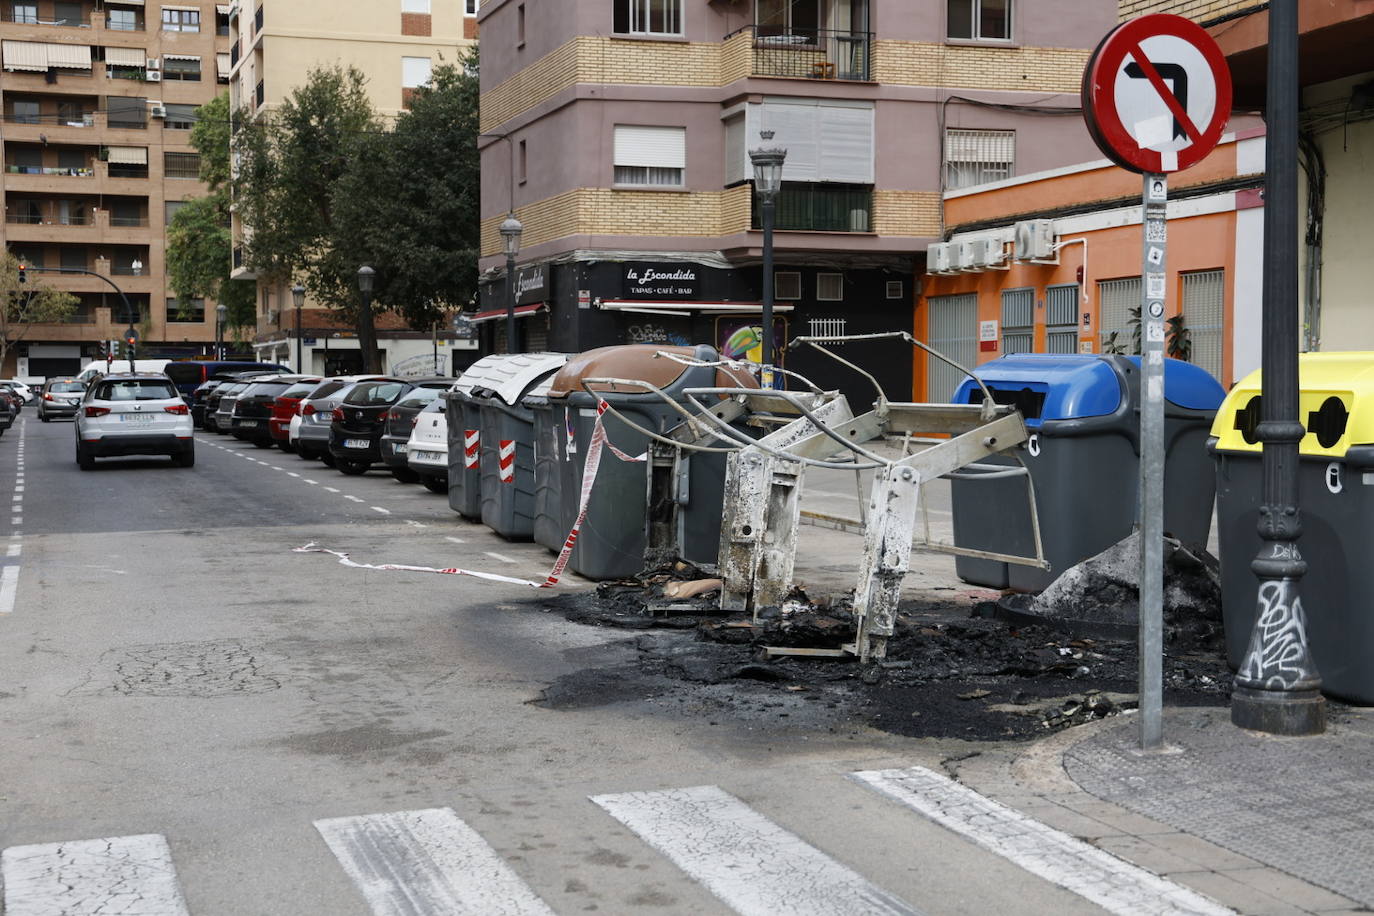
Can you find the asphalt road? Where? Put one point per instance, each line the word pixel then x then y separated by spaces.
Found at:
pixel 174 675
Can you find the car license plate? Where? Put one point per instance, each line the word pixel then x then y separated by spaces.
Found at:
pixel 135 418
pixel 357 443
pixel 402 448
pixel 248 423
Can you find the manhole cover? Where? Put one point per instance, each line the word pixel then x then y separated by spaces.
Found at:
pixel 217 668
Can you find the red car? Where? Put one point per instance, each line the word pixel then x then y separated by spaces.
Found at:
pixel 284 408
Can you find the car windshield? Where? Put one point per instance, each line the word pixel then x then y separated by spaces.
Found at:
pixel 137 389
pixel 232 388
pixel 419 398
pixel 298 390
pixel 66 386
pixel 375 394
pixel 260 388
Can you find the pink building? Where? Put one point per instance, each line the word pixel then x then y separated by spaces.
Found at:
pixel 618 131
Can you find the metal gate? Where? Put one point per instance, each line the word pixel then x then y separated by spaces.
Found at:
pixel 1204 314
pixel 1018 321
pixel 953 330
pixel 1061 319
pixel 1115 300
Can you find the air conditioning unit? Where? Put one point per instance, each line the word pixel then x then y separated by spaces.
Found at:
pixel 158 111
pixel 989 252
pixel 940 258
pixel 154 63
pixel 1035 240
pixel 963 255
pixel 153 76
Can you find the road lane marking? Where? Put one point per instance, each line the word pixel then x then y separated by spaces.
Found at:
pixel 17 520
pixel 292 474
pixel 455 540
pixel 130 874
pixel 18 487
pixel 500 558
pixel 331 489
pixel 756 867
pixel 415 524
pixel 352 498
pixel 1070 863
pixel 427 861
pixel 9 585
pixel 14 550
pixel 313 483
pixel 381 510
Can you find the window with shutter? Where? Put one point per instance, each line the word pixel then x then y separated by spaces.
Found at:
pixel 650 156
pixel 978 156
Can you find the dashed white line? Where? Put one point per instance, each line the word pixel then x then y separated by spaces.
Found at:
pixel 381 510
pixel 19 488
pixel 331 489
pixel 415 524
pixel 313 483
pixel 500 558
pixel 17 520
pixel 9 587
pixel 14 550
pixel 455 540
pixel 292 474
pixel 352 498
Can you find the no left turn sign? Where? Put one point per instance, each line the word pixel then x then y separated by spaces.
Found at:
pixel 1157 94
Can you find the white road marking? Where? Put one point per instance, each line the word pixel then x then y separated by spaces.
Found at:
pixel 455 540
pixel 292 474
pixel 756 867
pixel 17 520
pixel 420 862
pixel 500 558
pixel 331 489
pixel 381 510
pixel 1113 884
pixel 9 586
pixel 415 524
pixel 274 467
pixel 18 498
pixel 14 550
pixel 352 498
pixel 313 483
pixel 19 488
pixel 130 874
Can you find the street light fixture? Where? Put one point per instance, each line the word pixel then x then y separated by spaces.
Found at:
pixel 768 161
pixel 511 228
pixel 221 316
pixel 298 297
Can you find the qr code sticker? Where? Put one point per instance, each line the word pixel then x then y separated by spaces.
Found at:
pixel 1154 231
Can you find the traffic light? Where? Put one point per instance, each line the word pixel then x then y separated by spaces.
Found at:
pixel 129 344
pixel 23 272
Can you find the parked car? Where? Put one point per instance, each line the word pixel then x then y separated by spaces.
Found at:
pixel 14 400
pixel 317 413
pixel 197 400
pixel 285 411
pixel 427 450
pixel 25 390
pixel 9 408
pixel 60 398
pixel 133 414
pixel 217 410
pixel 189 374
pixel 355 433
pixel 251 415
pixel 99 367
pixel 400 422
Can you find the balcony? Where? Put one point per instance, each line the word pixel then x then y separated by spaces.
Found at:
pixel 805 53
pixel 821 208
pixel 23 18
pixel 46 170
pixel 234 55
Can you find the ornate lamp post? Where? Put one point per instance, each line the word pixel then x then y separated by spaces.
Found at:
pixel 366 277
pixel 221 314
pixel 511 228
pixel 298 297
pixel 768 161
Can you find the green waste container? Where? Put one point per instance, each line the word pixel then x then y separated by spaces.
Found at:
pixel 1083 455
pixel 548 450
pixel 1336 495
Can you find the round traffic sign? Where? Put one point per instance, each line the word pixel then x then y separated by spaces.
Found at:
pixel 1157 94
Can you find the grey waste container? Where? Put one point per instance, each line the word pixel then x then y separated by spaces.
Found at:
pixel 1082 412
pixel 614 535
pixel 548 445
pixel 1336 494
pixel 503 373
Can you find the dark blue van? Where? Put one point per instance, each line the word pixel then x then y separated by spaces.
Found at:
pixel 189 374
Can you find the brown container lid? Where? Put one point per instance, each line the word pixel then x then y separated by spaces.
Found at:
pixel 638 361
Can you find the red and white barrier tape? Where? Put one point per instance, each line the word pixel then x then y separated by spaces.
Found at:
pixel 594 448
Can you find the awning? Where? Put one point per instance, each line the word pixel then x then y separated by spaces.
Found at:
pixel 69 57
pixel 521 311
pixel 25 55
pixel 686 309
pixel 222 65
pixel 194 57
pixel 127 155
pixel 123 2
pixel 222 9
pixel 184 9
pixel 126 57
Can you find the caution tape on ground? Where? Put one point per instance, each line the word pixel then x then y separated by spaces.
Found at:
pixel 598 442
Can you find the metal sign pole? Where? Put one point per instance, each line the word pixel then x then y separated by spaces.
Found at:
pixel 1152 286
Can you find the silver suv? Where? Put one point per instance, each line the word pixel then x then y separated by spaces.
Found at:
pixel 133 414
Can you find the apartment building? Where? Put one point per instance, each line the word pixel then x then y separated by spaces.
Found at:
pixel 99 97
pixel 1337 145
pixel 273 46
pixel 618 132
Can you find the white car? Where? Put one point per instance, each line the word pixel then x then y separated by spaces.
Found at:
pixel 133 414
pixel 427 450
pixel 21 388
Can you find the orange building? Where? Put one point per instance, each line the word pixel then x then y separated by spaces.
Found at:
pixel 1051 262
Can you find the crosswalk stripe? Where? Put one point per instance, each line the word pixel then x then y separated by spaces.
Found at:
pixel 418 863
pixel 1113 884
pixel 128 874
pixel 753 865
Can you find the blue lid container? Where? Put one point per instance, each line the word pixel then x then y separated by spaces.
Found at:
pixel 1054 386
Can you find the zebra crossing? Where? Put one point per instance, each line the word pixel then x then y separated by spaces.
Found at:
pixel 430 862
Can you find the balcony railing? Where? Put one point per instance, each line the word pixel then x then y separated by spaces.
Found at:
pixel 128 222
pixel 29 19
pixel 821 208
pixel 83 119
pixel 44 170
pixel 829 54
pixel 80 318
pixel 121 270
pixel 124 24
pixel 118 170
pixel 234 55
pixel 31 219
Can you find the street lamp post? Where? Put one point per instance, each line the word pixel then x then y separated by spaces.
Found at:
pixel 366 277
pixel 1278 689
pixel 221 315
pixel 767 162
pixel 298 297
pixel 510 236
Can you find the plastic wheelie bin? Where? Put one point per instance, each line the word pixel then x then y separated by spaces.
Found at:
pixel 1336 496
pixel 548 449
pixel 614 535
pixel 1083 455
pixel 501 375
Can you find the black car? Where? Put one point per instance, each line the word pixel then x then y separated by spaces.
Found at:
pixel 252 411
pixel 355 435
pixel 400 420
pixel 197 400
pixel 9 407
pixel 231 381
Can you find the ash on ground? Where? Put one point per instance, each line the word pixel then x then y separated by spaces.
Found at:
pixel 953 670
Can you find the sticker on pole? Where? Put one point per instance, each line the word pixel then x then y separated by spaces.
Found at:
pixel 1157 94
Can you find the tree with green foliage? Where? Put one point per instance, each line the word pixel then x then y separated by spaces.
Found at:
pixel 23 305
pixel 199 241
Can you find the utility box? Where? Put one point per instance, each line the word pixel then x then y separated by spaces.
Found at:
pixel 1083 455
pixel 1336 497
